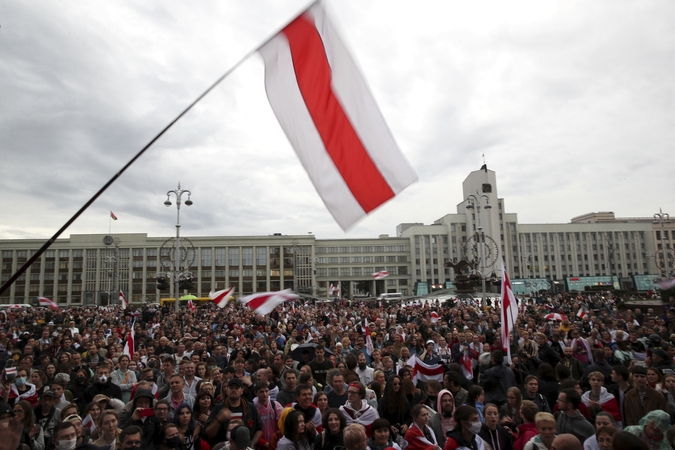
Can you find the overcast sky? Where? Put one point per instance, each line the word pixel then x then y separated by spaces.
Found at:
pixel 571 102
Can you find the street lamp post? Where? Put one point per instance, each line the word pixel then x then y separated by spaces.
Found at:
pixel 475 202
pixel 176 260
pixel 663 218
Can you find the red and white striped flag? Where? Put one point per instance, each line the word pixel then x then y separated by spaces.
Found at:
pixel 369 340
pixel 293 308
pixel 331 119
pixel 581 313
pixel 425 372
pixel 467 366
pixel 113 216
pixel 509 312
pixel 130 343
pixel 380 275
pixel 265 302
pixel 123 300
pixel 221 298
pixel 44 301
pixel 88 422
pixel 192 306
pixel 331 289
pixel 435 317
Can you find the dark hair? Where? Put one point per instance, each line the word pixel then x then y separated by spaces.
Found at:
pixel 475 391
pixel 351 361
pixel 463 413
pixel 200 396
pixel 380 424
pixel 453 377
pixel 572 396
pixel 396 401
pixel 639 370
pixel 530 378
pixel 303 387
pixel 529 409
pixel 417 409
pixel 622 371
pixel 337 412
pixel 61 426
pixel 362 388
pixel 130 431
pixel 177 414
pixel 498 357
pixel 570 383
pixel 291 428
pixel 562 372
pixel 627 441
pixel 261 385
pixel 546 372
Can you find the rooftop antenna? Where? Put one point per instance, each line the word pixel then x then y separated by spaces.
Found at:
pixel 484 164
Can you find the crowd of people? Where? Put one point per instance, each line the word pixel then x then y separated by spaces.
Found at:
pixel 333 375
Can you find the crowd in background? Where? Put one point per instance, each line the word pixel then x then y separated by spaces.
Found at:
pixel 340 374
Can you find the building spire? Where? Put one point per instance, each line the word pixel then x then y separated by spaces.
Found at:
pixel 484 167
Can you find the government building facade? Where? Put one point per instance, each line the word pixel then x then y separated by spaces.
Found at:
pixel 594 249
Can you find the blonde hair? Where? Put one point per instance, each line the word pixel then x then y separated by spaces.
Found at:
pixel 544 417
pixel 353 435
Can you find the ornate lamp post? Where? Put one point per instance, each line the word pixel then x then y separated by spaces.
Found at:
pixel 475 202
pixel 177 274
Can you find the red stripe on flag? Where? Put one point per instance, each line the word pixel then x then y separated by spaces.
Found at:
pixel 342 143
pixel 257 302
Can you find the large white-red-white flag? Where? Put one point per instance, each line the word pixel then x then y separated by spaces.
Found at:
pixel 220 298
pixel 130 343
pixel 44 301
pixel 123 300
pixel 265 302
pixel 509 312
pixel 425 372
pixel 331 119
pixel 192 306
pixel 380 275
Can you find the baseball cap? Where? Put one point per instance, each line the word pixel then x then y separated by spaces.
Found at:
pixel 661 354
pixel 6 409
pixel 100 398
pixel 236 381
pixel 240 437
pixel 49 393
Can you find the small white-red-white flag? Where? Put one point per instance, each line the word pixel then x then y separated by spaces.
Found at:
pixel 425 372
pixel 581 314
pixel 337 291
pixel 192 306
pixel 265 302
pixel 369 340
pixel 221 298
pixel 293 308
pixel 44 301
pixel 88 422
pixel 435 317
pixel 113 216
pixel 123 300
pixel 130 343
pixel 381 274
pixel 331 119
pixel 331 289
pixel 467 366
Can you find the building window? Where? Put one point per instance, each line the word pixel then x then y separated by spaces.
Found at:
pixel 206 257
pixel 220 257
pixel 234 257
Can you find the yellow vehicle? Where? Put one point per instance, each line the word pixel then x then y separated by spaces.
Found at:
pixel 197 301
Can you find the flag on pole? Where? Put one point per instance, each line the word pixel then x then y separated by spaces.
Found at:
pixel 221 298
pixel 380 275
pixel 265 302
pixel 467 365
pixel 331 289
pixel 130 343
pixel 88 422
pixel 435 317
pixel 337 291
pixel 509 312
pixel 293 308
pixel 369 340
pixel 425 372
pixel 113 216
pixel 331 119
pixel 123 300
pixel 191 305
pixel 44 301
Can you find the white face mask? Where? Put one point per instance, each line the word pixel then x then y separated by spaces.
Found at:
pixel 475 427
pixel 68 444
pixel 102 379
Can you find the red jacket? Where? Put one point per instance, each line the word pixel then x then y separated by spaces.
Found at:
pixel 526 432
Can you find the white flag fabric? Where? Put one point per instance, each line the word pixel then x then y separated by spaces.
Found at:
pixel 44 301
pixel 265 302
pixel 425 372
pixel 220 298
pixel 509 312
pixel 130 344
pixel 123 300
pixel 331 119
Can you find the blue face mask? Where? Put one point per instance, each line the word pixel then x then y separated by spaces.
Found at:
pixel 20 382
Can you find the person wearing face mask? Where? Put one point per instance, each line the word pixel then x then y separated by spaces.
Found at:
pixel 465 435
pixel 420 436
pixel 131 438
pixel 102 385
pixel 20 389
pixel 65 438
pixel 172 440
pixel 78 385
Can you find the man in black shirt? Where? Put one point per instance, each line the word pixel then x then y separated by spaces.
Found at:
pixel 338 396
